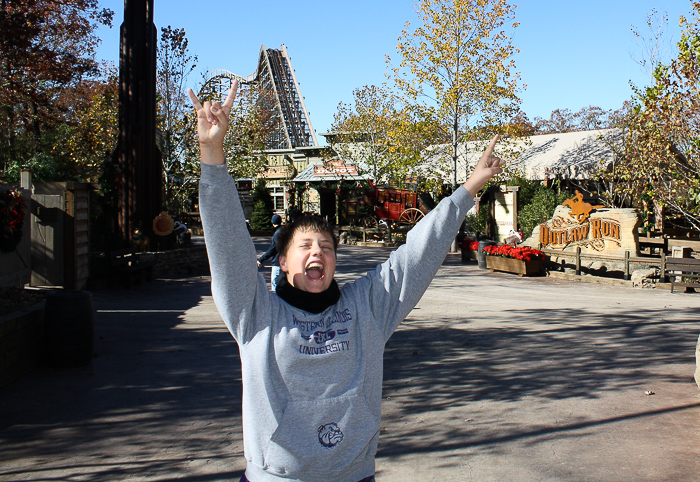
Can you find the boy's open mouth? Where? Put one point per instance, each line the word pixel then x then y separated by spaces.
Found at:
pixel 314 271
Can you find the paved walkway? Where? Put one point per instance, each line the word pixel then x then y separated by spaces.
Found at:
pixel 491 378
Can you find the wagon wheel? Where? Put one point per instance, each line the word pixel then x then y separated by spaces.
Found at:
pixel 369 222
pixel 410 217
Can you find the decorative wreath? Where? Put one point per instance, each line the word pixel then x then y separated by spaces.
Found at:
pixel 11 219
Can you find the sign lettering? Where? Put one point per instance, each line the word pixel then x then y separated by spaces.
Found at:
pixel 335 169
pixel 579 229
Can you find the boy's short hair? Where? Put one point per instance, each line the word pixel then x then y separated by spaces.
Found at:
pixel 305 224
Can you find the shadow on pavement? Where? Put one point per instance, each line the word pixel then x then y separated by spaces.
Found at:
pixel 432 365
pixel 162 398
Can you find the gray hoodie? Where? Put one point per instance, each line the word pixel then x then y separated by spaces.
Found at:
pixel 312 383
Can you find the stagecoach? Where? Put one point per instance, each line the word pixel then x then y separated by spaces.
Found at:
pixel 394 207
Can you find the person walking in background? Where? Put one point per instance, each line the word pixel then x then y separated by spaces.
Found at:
pixel 293 214
pixel 275 272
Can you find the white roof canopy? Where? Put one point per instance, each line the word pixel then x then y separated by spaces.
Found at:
pixel 571 155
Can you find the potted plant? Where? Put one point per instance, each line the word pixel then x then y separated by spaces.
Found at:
pixel 469 248
pixel 524 261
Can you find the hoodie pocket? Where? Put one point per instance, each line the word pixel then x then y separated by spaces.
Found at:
pixel 322 437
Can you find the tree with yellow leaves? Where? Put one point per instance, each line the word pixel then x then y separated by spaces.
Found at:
pixel 380 134
pixel 458 64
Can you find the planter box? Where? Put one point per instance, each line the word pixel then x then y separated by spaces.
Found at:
pixel 516 266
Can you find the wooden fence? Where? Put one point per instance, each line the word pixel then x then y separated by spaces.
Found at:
pixel 628 262
pixel 54 249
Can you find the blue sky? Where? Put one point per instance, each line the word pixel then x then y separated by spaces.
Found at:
pixel 573 54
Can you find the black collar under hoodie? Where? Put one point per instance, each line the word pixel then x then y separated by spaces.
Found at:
pixel 310 302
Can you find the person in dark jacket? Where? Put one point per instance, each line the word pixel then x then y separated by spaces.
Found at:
pixel 276 271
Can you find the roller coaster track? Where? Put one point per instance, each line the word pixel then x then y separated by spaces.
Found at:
pixel 275 77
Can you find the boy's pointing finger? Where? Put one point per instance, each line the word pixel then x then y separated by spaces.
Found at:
pixel 492 145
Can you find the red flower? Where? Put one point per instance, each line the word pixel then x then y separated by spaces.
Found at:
pixel 524 253
pixel 11 219
pixel 469 244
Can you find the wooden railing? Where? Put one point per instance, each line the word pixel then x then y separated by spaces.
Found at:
pixel 627 260
pixel 380 231
pixel 654 251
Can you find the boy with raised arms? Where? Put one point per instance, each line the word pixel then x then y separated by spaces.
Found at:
pixel 312 352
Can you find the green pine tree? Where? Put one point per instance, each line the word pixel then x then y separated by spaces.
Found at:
pixel 260 193
pixel 260 220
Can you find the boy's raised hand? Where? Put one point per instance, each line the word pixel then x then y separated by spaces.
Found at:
pixel 487 167
pixel 212 123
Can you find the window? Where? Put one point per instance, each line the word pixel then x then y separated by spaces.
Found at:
pixel 277 194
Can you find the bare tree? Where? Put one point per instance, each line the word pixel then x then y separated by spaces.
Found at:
pixel 174 66
pixel 654 46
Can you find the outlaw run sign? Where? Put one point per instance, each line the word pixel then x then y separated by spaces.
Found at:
pixel 593 228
